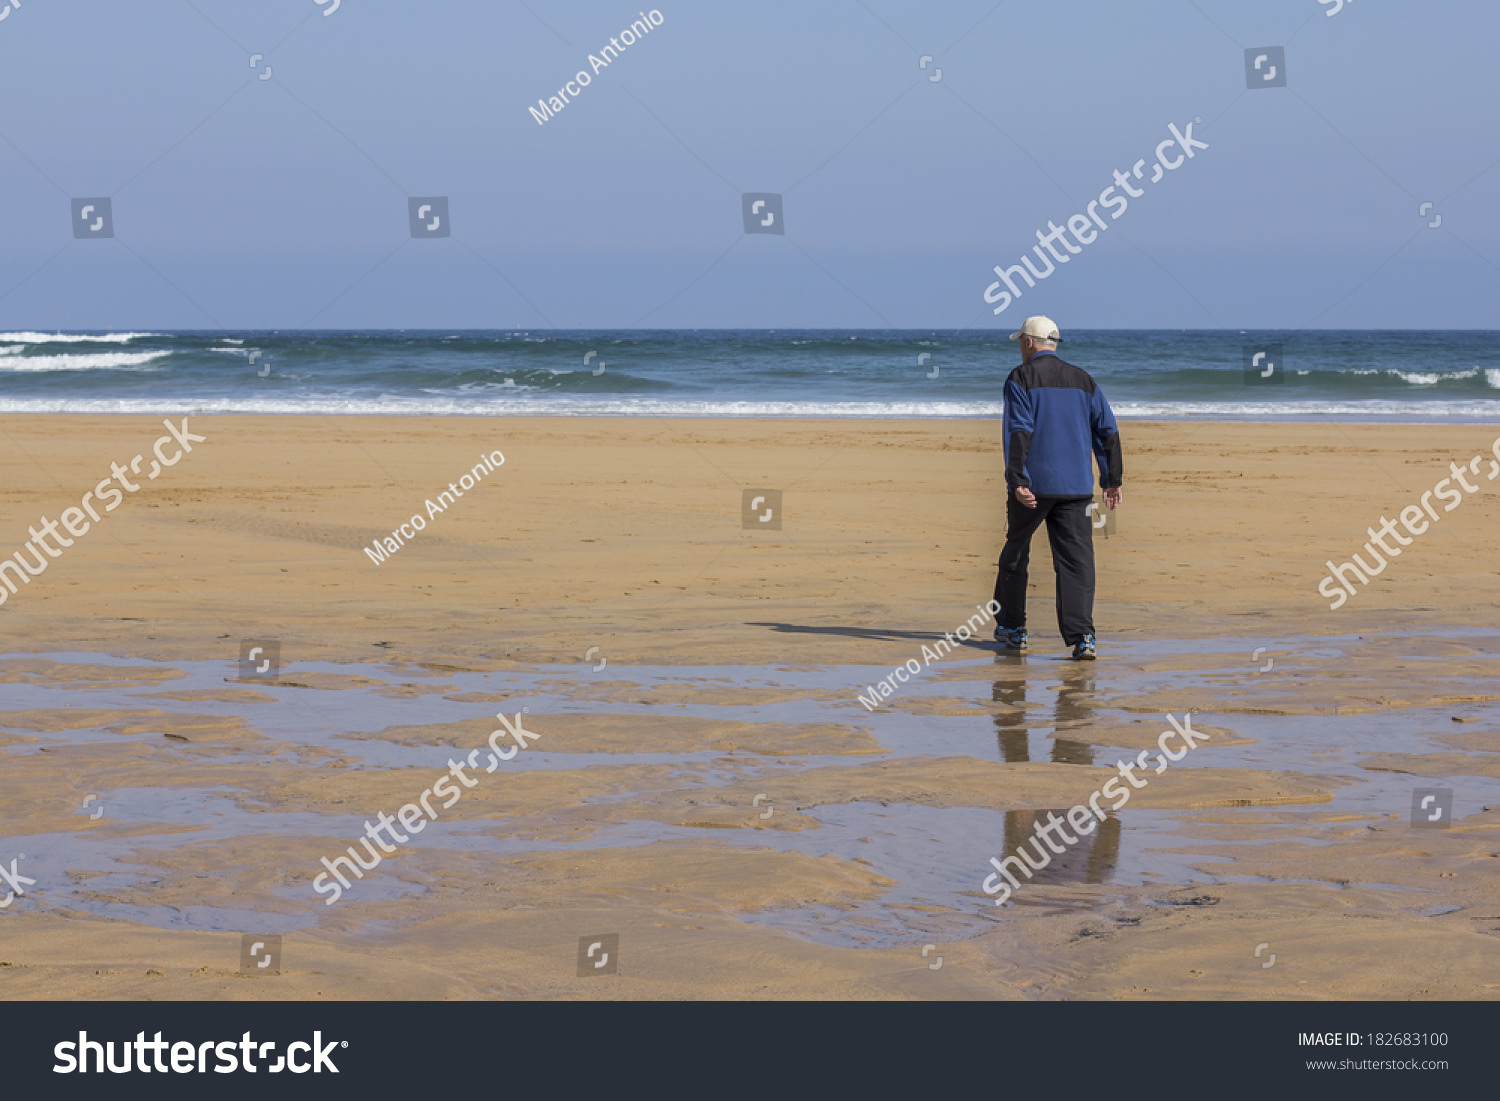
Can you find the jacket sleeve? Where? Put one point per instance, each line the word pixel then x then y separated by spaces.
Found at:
pixel 1107 443
pixel 1019 421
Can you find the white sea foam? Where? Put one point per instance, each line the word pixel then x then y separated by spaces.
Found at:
pixel 96 362
pixel 478 389
pixel 393 405
pixel 1415 378
pixel 74 338
pixel 1426 412
pixel 519 406
pixel 1420 378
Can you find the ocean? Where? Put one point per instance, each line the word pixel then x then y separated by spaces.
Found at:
pixel 1191 374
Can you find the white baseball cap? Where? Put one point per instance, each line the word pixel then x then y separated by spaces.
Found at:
pixel 1038 327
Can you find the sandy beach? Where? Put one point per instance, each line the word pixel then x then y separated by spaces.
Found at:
pixel 731 656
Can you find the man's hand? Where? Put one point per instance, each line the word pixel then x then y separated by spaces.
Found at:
pixel 1112 497
pixel 1027 498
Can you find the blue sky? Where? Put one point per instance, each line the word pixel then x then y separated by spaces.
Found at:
pixel 241 202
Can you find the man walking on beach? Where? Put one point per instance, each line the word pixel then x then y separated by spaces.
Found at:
pixel 1056 423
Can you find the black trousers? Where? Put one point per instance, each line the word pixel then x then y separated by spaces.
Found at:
pixel 1070 530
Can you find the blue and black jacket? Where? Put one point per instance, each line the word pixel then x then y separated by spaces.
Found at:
pixel 1056 419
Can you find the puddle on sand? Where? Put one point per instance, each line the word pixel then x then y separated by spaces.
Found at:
pixel 1049 711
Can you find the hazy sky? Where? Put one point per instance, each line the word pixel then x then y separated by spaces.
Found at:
pixel 241 202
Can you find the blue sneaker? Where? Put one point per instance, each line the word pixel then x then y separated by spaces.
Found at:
pixel 1084 651
pixel 1012 638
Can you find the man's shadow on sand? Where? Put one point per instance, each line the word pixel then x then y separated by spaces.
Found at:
pixel 873 634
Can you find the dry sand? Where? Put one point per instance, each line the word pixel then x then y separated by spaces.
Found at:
pixel 626 536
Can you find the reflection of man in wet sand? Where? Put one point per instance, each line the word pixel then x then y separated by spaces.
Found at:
pixel 1050 830
pixel 1092 859
pixel 1073 712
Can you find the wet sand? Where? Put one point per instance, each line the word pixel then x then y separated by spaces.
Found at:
pixel 731 657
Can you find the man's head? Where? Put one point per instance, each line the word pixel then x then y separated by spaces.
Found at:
pixel 1038 334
